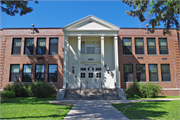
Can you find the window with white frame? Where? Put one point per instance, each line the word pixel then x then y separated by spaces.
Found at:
pixel 98 47
pixel 90 46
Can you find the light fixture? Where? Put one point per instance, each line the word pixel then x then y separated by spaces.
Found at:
pixel 108 69
pixel 33 28
pixel 147 25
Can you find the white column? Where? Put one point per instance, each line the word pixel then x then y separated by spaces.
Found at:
pixel 102 60
pixel 79 62
pixel 65 63
pixel 116 78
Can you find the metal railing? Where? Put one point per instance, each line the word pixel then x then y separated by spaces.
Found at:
pixel 102 90
pixel 116 89
pixel 80 89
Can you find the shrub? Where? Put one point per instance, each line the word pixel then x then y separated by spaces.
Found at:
pixel 9 94
pixel 133 91
pixel 42 89
pixel 149 90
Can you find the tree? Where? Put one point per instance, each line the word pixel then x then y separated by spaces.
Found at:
pixel 15 7
pixel 156 12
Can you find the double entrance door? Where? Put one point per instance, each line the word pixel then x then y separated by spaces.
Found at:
pixel 90 77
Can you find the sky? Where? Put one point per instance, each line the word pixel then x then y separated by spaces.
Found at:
pixel 61 13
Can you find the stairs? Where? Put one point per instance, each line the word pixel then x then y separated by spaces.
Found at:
pixel 91 94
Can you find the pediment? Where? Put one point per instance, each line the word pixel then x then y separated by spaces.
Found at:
pixel 91 23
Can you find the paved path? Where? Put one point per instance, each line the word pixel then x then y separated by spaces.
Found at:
pixel 94 110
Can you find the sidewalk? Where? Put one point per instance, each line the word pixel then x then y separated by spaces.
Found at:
pixel 94 110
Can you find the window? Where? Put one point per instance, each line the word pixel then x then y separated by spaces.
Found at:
pixel 163 46
pixel 151 46
pixel 98 69
pixel 83 75
pixel 98 47
pixel 14 73
pixel 27 70
pixel 41 46
pixel 53 46
pixel 16 48
pixel 153 75
pixel 128 72
pixel 139 46
pixel 140 70
pixel 98 75
pixel 90 46
pixel 39 73
pixel 90 75
pixel 28 46
pixel 82 46
pixel 165 71
pixel 83 69
pixel 127 49
pixel 52 76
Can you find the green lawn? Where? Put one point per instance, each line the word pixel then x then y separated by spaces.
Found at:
pixel 32 108
pixel 154 98
pixel 151 110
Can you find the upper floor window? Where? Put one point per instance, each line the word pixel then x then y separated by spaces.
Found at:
pixel 98 47
pixel 14 75
pixel 163 46
pixel 128 72
pixel 90 46
pixel 52 73
pixel 151 46
pixel 140 70
pixel 127 48
pixel 82 46
pixel 53 46
pixel 39 73
pixel 27 71
pixel 165 71
pixel 139 46
pixel 28 46
pixel 41 46
pixel 153 72
pixel 16 47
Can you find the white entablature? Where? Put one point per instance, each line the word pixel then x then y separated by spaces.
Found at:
pixel 90 25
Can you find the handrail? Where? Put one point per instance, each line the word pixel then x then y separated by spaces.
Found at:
pixel 80 89
pixel 116 89
pixel 102 90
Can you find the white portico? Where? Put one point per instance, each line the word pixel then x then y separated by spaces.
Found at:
pixel 90 54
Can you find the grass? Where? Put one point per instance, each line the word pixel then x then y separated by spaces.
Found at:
pixel 151 110
pixel 32 108
pixel 154 98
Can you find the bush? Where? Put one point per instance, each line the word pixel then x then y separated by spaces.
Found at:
pixel 9 94
pixel 42 90
pixel 38 89
pixel 147 90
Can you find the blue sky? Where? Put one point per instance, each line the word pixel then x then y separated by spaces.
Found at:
pixel 61 13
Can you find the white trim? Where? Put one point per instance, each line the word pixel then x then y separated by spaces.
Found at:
pixel 102 60
pixel 65 62
pixel 170 88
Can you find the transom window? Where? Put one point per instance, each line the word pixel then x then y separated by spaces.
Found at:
pixel 98 75
pixel 83 75
pixel 90 75
pixel 98 69
pixel 83 69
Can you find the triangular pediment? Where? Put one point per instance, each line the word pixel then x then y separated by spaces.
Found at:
pixel 90 23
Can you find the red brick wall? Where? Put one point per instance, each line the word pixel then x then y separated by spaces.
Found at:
pixel 172 58
pixel 7 58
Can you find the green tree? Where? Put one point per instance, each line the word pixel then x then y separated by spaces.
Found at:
pixel 15 7
pixel 156 12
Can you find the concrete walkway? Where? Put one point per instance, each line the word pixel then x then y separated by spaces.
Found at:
pixel 94 110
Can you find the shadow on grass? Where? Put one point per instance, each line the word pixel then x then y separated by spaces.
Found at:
pixel 141 110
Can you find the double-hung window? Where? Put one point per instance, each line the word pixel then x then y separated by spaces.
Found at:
pixel 139 46
pixel 27 71
pixel 52 73
pixel 82 46
pixel 163 48
pixel 28 46
pixel 53 46
pixel 16 48
pixel 41 46
pixel 151 46
pixel 128 72
pixel 127 48
pixel 140 70
pixel 165 71
pixel 90 47
pixel 153 72
pixel 39 73
pixel 98 47
pixel 14 75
